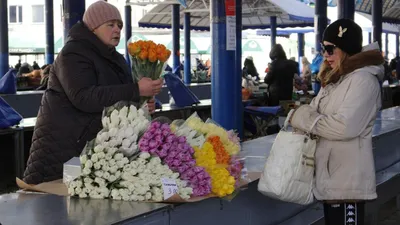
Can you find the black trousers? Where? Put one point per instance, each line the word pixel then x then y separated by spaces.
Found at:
pixel 344 213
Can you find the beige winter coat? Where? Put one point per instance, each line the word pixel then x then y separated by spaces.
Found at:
pixel 344 159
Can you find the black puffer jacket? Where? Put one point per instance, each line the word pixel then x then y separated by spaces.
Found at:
pixel 86 77
pixel 280 76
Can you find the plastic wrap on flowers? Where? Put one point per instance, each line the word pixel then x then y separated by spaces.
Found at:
pixel 229 139
pixel 121 104
pixel 176 124
pixel 87 150
pixel 177 154
pixel 162 119
pixel 193 137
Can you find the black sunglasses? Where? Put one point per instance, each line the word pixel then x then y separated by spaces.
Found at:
pixel 328 48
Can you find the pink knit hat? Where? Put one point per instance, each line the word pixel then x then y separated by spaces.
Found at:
pixel 99 13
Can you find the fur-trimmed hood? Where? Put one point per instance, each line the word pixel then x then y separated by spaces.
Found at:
pixel 370 60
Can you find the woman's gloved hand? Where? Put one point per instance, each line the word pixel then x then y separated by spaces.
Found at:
pixel 149 87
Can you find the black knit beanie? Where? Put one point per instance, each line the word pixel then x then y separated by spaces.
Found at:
pixel 345 34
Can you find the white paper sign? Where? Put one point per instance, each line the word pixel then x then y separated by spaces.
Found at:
pixel 169 186
pixel 231 33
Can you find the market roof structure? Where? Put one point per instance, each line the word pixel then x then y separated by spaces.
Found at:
pixel 256 14
pixel 392 14
pixel 390 8
pixel 362 19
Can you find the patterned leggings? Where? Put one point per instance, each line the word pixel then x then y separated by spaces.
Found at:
pixel 344 213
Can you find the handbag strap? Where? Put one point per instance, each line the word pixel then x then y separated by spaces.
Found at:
pixel 315 122
pixel 286 124
pixel 289 115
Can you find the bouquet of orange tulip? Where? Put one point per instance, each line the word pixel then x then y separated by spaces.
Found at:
pixel 148 59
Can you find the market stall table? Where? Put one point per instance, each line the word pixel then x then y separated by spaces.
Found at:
pixel 249 207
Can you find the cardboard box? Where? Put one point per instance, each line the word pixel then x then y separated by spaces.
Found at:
pixel 72 169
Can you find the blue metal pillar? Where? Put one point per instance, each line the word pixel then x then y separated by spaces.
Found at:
pixel 237 92
pixel 386 45
pixel 4 66
pixel 187 72
pixel 397 45
pixel 377 21
pixel 273 30
pixel 175 36
pixel 72 13
pixel 300 43
pixel 128 31
pixel 369 37
pixel 49 32
pixel 321 21
pixel 346 9
pixel 223 109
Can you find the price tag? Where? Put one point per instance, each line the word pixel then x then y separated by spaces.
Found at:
pixel 169 186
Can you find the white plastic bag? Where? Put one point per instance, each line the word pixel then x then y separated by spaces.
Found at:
pixel 289 170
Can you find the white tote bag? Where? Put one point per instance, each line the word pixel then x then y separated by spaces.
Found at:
pixel 289 171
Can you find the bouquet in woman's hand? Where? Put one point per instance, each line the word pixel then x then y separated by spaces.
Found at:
pixel 148 60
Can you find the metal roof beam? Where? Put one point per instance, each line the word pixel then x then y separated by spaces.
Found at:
pixel 151 2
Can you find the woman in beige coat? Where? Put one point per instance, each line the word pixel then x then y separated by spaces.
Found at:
pixel 348 102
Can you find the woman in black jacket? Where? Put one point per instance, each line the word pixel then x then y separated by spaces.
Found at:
pixel 280 76
pixel 250 69
pixel 88 75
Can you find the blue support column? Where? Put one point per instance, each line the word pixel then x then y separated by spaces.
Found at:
pixel 377 21
pixel 386 45
pixel 4 66
pixel 300 43
pixel 72 13
pixel 369 37
pixel 321 21
pixel 397 45
pixel 223 101
pixel 237 91
pixel 187 72
pixel 346 9
pixel 49 32
pixel 175 36
pixel 128 31
pixel 273 30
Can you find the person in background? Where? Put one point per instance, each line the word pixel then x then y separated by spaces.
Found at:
pixel 267 69
pixel 280 76
pixel 250 69
pixel 45 72
pixel 398 69
pixel 306 73
pixel 18 65
pixel 24 68
pixel 35 66
pixel 87 76
pixel 344 113
pixel 297 64
pixel 208 66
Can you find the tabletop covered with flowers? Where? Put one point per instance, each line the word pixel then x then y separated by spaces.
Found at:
pixel 134 158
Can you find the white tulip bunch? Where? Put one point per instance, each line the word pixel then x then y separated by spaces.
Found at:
pixel 100 167
pixel 122 128
pixel 141 180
